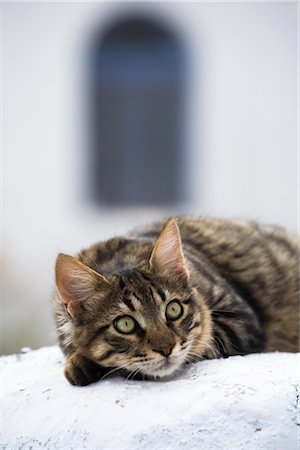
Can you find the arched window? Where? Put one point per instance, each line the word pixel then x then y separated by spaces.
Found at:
pixel 137 80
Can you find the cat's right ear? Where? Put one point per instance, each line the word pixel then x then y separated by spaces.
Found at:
pixel 76 283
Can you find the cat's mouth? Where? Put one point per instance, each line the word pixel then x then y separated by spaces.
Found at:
pixel 163 368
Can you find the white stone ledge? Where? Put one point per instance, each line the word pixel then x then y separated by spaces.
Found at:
pixel 245 402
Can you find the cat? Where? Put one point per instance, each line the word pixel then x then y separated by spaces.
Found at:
pixel 170 294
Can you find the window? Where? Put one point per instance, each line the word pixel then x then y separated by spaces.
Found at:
pixel 137 89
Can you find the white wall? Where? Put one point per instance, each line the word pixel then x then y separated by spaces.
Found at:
pixel 250 110
pixel 242 121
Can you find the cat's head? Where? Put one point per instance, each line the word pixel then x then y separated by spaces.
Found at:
pixel 147 319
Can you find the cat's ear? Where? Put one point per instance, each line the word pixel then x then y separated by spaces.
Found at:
pixel 75 283
pixel 167 258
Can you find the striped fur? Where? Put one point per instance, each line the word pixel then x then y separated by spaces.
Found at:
pixel 237 283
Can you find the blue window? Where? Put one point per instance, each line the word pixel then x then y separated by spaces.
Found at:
pixel 137 92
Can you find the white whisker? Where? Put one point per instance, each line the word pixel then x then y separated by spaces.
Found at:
pixel 114 369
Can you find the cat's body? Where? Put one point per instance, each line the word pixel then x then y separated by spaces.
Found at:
pixel 198 289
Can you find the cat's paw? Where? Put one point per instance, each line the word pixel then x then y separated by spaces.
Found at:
pixel 81 371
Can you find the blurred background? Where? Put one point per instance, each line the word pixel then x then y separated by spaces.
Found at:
pixel 117 114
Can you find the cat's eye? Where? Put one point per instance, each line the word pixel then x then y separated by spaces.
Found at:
pixel 125 324
pixel 174 310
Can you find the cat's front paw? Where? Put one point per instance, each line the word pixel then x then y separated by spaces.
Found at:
pixel 81 371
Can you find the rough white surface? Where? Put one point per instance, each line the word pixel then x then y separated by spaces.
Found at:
pixel 245 402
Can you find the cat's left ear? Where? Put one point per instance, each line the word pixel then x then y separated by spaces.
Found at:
pixel 76 284
pixel 167 257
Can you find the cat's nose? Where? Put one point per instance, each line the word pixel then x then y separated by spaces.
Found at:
pixel 165 351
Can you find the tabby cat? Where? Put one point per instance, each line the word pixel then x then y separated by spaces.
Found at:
pixel 173 293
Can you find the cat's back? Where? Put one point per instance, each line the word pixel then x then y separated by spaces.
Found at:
pixel 233 245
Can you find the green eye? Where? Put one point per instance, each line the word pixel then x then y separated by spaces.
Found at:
pixel 125 324
pixel 174 310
